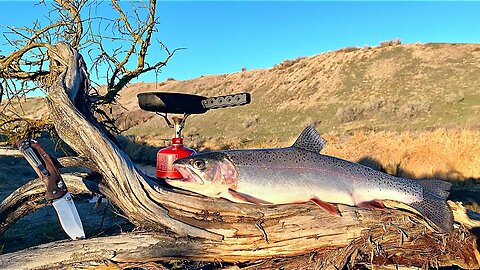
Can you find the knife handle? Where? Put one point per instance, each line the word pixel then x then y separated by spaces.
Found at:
pixel 43 165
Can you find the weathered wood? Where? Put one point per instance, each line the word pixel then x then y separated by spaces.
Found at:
pixel 67 162
pixel 218 230
pixel 4 151
pixel 402 242
pixel 89 141
pixel 31 196
pixel 62 162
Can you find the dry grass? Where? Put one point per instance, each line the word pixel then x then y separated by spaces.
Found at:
pixel 390 43
pixel 287 63
pixel 444 154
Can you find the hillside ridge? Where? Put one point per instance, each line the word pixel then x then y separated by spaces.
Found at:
pixel 403 87
pixel 391 88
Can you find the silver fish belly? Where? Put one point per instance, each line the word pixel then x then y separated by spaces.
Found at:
pixel 291 175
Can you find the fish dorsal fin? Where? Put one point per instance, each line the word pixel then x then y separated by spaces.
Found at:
pixel 310 140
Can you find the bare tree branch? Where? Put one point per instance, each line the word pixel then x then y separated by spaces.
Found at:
pixel 135 26
pixel 4 151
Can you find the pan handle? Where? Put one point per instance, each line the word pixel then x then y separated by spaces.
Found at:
pixel 226 101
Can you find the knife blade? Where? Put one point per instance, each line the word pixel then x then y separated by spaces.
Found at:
pixel 57 192
pixel 68 216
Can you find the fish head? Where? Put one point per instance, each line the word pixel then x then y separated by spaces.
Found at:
pixel 209 174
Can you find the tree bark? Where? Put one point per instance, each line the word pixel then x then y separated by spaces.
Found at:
pixel 9 152
pixel 398 239
pixel 194 227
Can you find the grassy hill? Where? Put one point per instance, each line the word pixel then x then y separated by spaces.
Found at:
pixel 410 104
pixel 411 109
pixel 403 87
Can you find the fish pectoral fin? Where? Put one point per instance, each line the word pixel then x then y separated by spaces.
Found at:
pixel 372 204
pixel 332 209
pixel 246 198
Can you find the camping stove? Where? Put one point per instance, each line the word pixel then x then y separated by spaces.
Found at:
pixel 166 156
pixel 163 103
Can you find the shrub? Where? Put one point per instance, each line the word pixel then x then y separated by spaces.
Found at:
pixel 250 121
pixel 374 104
pixel 348 49
pixel 390 43
pixel 287 63
pixel 453 98
pixel 413 108
pixel 349 113
pixel 358 111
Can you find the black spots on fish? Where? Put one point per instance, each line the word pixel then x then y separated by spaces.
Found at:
pixel 304 157
pixel 258 157
pixel 435 209
pixel 278 156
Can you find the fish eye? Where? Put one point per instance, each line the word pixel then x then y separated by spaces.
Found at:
pixel 198 164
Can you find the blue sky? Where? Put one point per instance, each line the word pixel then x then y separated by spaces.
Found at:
pixel 223 37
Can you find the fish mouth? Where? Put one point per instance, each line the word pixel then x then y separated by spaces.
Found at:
pixel 189 176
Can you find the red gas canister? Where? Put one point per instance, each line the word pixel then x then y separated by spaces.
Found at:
pixel 166 157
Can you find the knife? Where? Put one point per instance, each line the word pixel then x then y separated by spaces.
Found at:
pixel 57 192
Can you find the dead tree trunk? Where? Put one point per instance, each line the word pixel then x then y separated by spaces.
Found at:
pixel 193 227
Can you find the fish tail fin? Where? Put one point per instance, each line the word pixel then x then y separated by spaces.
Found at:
pixel 439 187
pixel 434 205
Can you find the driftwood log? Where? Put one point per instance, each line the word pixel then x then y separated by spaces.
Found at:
pixel 182 225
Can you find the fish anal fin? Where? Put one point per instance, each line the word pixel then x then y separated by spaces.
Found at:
pixel 372 204
pixel 246 198
pixel 328 207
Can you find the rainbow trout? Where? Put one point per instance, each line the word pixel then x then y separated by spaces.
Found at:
pixel 300 173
